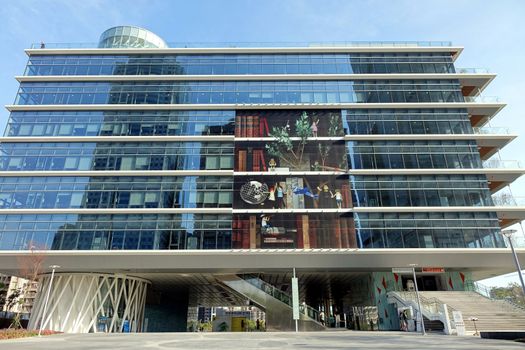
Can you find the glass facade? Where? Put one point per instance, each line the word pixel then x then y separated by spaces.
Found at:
pixel 428 230
pixel 115 231
pixel 289 185
pixel 120 123
pixel 406 121
pixel 117 156
pixel 116 192
pixel 224 92
pixel 355 63
pixel 413 154
pixel 425 190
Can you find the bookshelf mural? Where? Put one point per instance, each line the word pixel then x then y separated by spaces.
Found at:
pixel 281 231
pixel 291 160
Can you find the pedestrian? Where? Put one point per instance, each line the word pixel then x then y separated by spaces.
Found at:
pixel 258 324
pixel 403 325
pixel 321 318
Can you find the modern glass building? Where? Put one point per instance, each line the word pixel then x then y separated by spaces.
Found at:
pixel 166 176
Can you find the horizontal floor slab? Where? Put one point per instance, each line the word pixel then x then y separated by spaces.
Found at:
pixel 482 262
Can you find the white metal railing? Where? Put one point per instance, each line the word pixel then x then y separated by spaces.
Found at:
pixel 482 99
pixel 472 70
pixel 501 164
pixel 491 130
pixel 432 308
pixel 508 200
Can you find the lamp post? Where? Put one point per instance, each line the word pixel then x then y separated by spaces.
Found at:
pixel 508 234
pixel 53 268
pixel 413 266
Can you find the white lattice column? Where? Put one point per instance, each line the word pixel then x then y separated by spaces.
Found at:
pixel 81 302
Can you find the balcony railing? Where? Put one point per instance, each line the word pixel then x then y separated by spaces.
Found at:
pixel 491 130
pixel 263 44
pixel 508 200
pixel 472 70
pixel 501 164
pixel 482 99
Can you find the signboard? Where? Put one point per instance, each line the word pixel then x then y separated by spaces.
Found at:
pixel 402 270
pixel 295 298
pixel 433 269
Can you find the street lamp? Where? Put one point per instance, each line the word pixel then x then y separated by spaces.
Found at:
pixel 413 266
pixel 53 268
pixel 508 234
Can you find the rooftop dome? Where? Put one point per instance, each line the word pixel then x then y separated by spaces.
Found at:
pixel 130 37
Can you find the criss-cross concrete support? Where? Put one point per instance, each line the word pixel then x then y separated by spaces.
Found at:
pixel 90 302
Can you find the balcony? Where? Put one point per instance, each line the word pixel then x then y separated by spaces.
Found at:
pixel 474 80
pixel 501 173
pixel 492 139
pixel 510 209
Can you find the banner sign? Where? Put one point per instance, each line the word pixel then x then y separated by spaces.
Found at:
pixel 433 270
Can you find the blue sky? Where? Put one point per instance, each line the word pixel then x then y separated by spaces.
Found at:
pixel 492 32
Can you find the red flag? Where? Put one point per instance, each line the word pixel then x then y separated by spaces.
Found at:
pixel 462 277
pixel 450 283
pixel 378 290
pixel 384 283
pixel 396 277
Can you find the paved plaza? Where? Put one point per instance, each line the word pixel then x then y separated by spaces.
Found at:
pixel 309 340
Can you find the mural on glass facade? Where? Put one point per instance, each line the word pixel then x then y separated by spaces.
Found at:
pixel 291 160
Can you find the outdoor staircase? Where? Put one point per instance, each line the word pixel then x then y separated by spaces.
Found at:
pixel 276 303
pixel 492 315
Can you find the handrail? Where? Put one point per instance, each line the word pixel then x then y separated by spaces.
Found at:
pixel 281 296
pixel 486 292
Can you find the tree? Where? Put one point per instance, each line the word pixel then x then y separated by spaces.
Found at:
pixel 30 269
pixel 334 130
pixel 512 292
pixel 288 151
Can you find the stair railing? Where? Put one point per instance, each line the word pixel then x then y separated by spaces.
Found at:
pixel 432 308
pixel 486 292
pixel 281 296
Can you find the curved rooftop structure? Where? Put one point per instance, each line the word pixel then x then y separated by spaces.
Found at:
pixel 130 37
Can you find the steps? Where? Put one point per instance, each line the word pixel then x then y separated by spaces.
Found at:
pixel 492 315
pixel 433 326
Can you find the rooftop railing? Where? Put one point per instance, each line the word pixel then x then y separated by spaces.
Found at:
pixel 491 130
pixel 263 44
pixel 472 70
pixel 482 99
pixel 501 164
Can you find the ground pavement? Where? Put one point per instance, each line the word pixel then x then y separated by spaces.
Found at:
pixel 286 340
